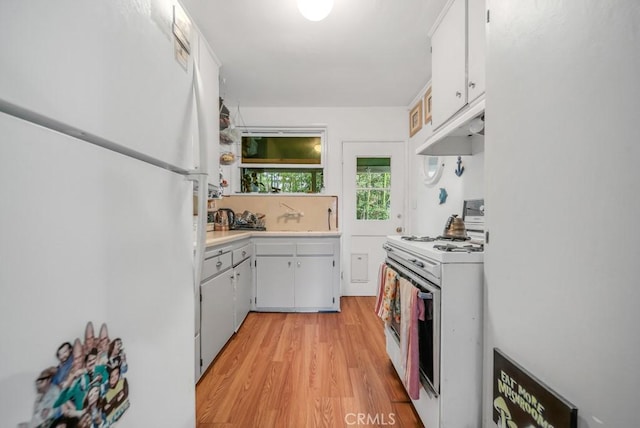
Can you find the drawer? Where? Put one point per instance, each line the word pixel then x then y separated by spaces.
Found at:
pixel 280 249
pixel 214 263
pixel 315 249
pixel 242 253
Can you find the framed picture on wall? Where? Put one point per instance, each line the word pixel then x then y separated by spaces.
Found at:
pixel 415 118
pixel 427 106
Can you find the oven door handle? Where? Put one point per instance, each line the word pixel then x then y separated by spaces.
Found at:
pixel 425 296
pixel 387 247
pixel 417 262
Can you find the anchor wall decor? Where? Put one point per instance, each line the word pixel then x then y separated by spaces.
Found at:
pixel 460 168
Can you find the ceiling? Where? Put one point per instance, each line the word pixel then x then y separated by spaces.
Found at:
pixel 365 53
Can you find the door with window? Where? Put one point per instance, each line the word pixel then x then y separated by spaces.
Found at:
pixel 373 177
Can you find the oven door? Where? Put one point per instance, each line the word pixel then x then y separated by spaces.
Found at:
pixel 428 330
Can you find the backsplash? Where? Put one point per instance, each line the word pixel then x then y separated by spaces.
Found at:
pixel 287 212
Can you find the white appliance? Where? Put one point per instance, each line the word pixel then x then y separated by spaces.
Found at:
pixel 102 142
pixel 449 274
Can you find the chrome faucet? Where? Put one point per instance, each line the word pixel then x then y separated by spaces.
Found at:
pixel 292 211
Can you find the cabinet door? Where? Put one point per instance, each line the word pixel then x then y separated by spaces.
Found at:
pixel 198 369
pixel 216 316
pixel 243 291
pixel 314 282
pixel 209 105
pixel 477 32
pixel 274 282
pixel 448 57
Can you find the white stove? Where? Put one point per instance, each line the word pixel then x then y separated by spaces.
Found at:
pixel 450 273
pixel 442 251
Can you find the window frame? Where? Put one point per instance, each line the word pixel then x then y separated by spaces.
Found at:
pixel 289 131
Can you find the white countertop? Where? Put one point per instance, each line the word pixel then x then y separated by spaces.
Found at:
pixel 223 237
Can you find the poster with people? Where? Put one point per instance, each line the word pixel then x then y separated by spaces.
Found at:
pixel 87 388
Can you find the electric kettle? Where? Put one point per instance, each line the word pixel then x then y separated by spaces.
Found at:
pixel 454 228
pixel 223 219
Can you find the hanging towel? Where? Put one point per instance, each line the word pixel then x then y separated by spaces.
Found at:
pixel 387 292
pixel 380 297
pixel 412 310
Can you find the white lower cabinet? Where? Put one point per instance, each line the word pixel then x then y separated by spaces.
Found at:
pixel 216 315
pixel 274 282
pixel 226 293
pixel 292 274
pixel 243 286
pixel 313 282
pixel 297 274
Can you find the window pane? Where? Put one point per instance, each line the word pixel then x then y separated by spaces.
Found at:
pixel 373 188
pixel 282 150
pixel 282 180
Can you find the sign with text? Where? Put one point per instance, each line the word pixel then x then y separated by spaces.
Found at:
pixel 522 401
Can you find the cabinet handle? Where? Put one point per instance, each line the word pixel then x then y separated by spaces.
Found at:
pixel 298 264
pixel 289 264
pixel 472 85
pixel 244 253
pixel 458 94
pixel 218 264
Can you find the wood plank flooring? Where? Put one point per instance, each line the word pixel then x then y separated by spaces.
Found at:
pixel 298 370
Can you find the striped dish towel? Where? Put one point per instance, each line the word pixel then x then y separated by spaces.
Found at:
pixel 412 310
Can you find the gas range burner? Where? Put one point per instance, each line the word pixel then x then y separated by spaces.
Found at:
pixel 452 238
pixel 450 248
pixel 418 238
pixel 430 239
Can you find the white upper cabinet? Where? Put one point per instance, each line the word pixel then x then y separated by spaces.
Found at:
pixel 476 42
pixel 448 50
pixel 457 43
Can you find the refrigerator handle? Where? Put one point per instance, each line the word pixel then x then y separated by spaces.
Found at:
pixel 199 180
pixel 203 163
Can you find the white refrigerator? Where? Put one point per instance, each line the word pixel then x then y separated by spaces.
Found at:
pixel 104 130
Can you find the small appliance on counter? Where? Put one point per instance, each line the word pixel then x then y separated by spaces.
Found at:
pixel 223 219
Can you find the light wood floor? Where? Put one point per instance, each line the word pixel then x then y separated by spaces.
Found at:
pixel 305 370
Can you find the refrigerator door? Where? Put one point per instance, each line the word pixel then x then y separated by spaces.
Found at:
pixel 107 68
pixel 92 235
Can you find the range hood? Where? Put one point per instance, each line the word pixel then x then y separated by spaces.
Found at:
pixel 455 136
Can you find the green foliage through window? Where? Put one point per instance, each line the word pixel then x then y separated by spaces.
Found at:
pixel 269 180
pixel 373 188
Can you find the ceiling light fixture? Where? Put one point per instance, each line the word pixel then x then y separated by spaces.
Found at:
pixel 315 10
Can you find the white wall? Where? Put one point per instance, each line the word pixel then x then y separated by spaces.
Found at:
pixel 343 124
pixel 425 215
pixel 389 124
pixel 562 293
